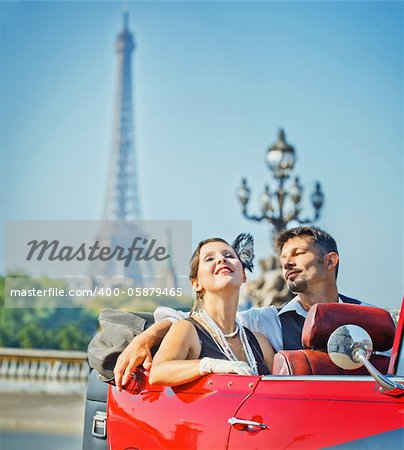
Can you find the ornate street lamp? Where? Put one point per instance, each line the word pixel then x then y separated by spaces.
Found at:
pixel 281 206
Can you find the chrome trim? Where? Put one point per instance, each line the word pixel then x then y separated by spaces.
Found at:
pixel 99 423
pixel 324 378
pixel 387 385
pixel 248 423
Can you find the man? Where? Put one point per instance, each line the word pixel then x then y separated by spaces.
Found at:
pixel 309 258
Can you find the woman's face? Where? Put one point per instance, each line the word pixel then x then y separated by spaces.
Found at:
pixel 219 268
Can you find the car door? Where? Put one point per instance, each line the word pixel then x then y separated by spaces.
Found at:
pixel 191 416
pixel 309 412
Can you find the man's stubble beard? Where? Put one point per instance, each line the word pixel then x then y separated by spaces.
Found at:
pixel 297 286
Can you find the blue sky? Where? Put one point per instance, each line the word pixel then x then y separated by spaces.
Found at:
pixel 213 82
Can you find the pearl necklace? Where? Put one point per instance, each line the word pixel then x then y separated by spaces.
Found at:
pixel 220 339
pixel 234 333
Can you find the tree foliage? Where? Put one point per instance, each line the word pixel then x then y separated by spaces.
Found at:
pixel 47 327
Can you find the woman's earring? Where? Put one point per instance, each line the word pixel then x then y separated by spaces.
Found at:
pixel 197 287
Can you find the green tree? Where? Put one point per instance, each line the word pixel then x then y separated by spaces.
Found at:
pixel 31 336
pixel 45 327
pixel 70 337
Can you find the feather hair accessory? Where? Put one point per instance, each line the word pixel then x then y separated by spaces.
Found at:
pixel 243 245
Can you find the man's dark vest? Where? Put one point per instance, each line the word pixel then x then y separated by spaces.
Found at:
pixel 292 326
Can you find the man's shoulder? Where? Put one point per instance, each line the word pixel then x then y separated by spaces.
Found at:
pixel 262 311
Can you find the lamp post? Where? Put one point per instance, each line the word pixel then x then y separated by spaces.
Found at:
pixel 283 205
pixel 278 207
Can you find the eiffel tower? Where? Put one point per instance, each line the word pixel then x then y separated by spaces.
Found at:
pixel 122 198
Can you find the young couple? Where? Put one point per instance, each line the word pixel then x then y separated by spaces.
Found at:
pixel 212 339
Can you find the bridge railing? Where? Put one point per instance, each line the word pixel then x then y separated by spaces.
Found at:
pixel 33 364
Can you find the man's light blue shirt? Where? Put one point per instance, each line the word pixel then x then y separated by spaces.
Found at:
pixel 265 320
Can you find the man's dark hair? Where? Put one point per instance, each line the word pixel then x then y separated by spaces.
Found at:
pixel 319 238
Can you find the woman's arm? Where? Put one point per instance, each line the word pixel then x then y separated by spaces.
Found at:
pixel 267 350
pixel 170 365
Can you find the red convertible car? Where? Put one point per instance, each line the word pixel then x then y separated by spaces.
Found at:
pixel 348 395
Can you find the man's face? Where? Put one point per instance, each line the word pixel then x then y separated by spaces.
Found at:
pixel 303 265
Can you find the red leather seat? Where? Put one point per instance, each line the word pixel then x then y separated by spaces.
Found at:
pixel 321 321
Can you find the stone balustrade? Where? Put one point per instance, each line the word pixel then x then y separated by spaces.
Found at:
pixel 33 364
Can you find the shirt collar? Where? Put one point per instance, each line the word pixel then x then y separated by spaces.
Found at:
pixel 293 305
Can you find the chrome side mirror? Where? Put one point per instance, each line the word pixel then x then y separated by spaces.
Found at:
pixel 345 345
pixel 350 347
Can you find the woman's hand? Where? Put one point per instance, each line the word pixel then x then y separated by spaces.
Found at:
pixel 211 365
pixel 136 353
pixel 139 352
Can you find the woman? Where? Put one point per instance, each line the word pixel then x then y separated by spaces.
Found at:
pixel 211 340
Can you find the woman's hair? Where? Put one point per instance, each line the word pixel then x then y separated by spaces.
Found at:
pixel 194 264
